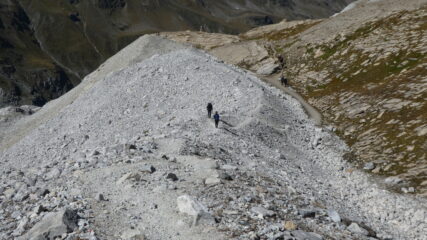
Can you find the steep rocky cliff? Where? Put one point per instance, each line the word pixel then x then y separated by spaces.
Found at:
pixel 48 46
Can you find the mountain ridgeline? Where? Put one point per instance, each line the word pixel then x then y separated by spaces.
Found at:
pixel 47 46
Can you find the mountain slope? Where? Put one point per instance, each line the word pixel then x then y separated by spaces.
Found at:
pixel 363 69
pixel 49 46
pixel 139 136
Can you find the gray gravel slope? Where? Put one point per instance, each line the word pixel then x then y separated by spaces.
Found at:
pixel 276 157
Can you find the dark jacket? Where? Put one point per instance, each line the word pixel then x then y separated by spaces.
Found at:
pixel 216 117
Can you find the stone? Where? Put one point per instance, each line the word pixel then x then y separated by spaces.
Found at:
pixel 21 227
pixel 172 176
pixel 408 190
pixel 53 225
pixel 419 216
pixel 188 205
pixel 127 147
pixel 212 181
pixel 334 215
pixel 129 176
pixel 393 180
pixel 53 174
pixel 43 192
pixel 355 228
pixel 132 234
pixel 225 176
pixel 301 235
pixel 205 164
pixel 229 167
pixel 289 226
pixel 21 196
pixel 95 153
pixel 318 53
pixel 39 209
pixel 16 214
pixel 262 212
pixel 377 170
pixel 9 193
pixel 268 69
pixel 148 169
pixel 99 197
pixel 369 166
pixel 306 213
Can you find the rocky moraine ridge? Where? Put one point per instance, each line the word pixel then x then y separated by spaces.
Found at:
pixel 131 154
pixel 364 69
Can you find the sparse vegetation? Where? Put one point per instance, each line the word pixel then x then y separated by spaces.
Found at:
pixel 373 77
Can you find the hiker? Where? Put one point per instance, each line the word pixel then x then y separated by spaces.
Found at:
pixel 284 81
pixel 281 61
pixel 216 117
pixel 209 108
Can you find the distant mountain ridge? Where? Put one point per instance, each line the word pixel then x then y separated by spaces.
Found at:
pixel 47 46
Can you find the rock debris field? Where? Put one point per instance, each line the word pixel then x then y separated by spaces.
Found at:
pixel 135 157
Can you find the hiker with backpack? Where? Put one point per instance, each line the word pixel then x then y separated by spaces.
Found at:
pixel 216 118
pixel 209 108
pixel 283 81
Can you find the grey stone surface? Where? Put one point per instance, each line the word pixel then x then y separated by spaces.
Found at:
pixel 334 215
pixel 158 106
pixel 355 228
pixel 268 69
pixel 262 212
pixel 53 225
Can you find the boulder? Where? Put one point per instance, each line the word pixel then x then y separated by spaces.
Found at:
pixel 334 216
pixel 21 196
pixel 369 166
pixel 355 228
pixel 148 169
pixel 268 69
pixel 290 226
pixel 307 213
pixel 133 234
pixel 21 227
pixel 262 212
pixel 212 181
pixel 99 197
pixel 53 225
pixel 9 193
pixel 53 174
pixel 172 176
pixel 187 204
pixel 301 235
pixel 129 176
pixel 393 180
pixel 190 206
